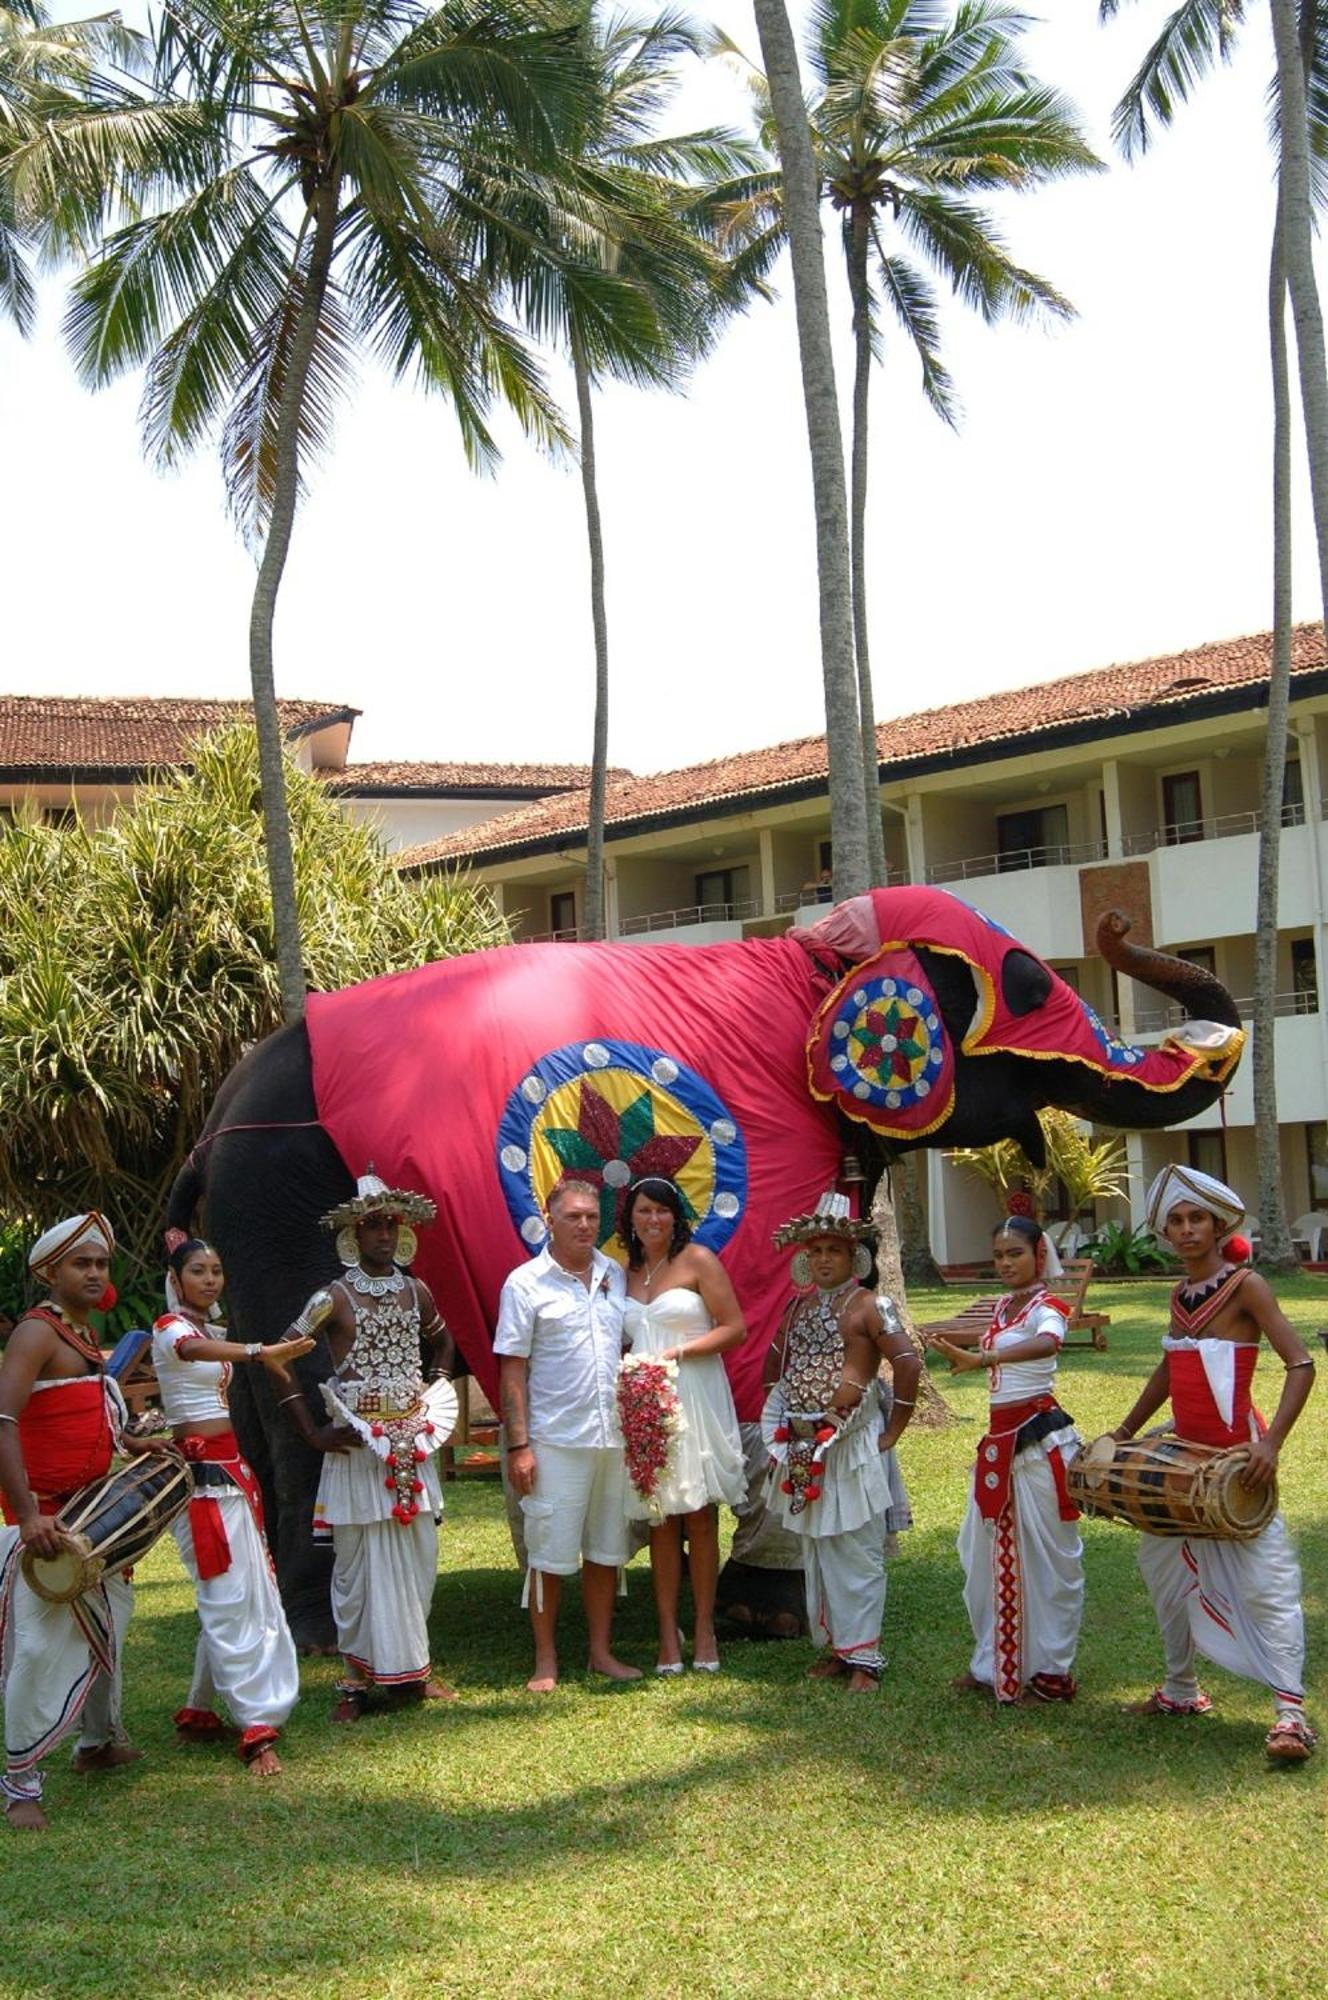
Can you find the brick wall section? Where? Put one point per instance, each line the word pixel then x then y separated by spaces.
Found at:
pixel 1118 885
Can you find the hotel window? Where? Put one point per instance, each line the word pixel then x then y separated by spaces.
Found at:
pixel 1182 807
pixel 1304 975
pixel 1036 838
pixel 1208 1153
pixel 718 889
pixel 562 913
pixel 1293 794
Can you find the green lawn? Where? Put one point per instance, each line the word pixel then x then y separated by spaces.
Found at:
pixel 748 1835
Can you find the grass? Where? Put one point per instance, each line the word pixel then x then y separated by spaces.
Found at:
pixel 748 1835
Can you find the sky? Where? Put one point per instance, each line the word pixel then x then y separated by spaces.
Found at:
pixel 1106 497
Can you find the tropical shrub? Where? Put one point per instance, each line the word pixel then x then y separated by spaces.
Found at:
pixel 1088 1172
pixel 137 964
pixel 1118 1251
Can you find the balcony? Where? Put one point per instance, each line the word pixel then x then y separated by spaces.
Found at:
pixel 1065 854
pixel 1164 1019
pixel 1225 826
pixel 719 921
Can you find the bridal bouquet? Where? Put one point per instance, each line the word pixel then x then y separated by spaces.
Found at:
pixel 651 1419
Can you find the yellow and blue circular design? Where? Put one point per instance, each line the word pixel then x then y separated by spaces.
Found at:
pixel 887 1044
pixel 610 1113
pixel 1121 1055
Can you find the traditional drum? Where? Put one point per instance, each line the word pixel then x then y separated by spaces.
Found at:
pixel 1167 1485
pixel 110 1524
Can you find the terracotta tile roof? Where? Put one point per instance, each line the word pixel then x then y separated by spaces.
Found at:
pixel 85 733
pixel 534 781
pixel 924 741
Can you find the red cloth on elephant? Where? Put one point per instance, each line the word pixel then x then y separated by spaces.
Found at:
pixel 484 1080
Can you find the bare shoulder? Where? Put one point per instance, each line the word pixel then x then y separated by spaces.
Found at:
pixel 30 1347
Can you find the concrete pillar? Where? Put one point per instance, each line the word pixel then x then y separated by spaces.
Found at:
pixel 938 1222
pixel 1112 808
pixel 766 847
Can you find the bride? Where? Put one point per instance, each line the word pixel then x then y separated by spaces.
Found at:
pixel 681 1307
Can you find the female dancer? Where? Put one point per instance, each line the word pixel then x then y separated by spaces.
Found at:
pixel 681 1307
pixel 245 1652
pixel 1022 1557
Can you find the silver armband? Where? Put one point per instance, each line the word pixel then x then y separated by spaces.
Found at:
pixel 315 1312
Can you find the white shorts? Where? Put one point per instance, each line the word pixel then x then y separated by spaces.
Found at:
pixel 578 1510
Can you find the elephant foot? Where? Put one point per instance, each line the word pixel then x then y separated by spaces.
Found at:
pixel 761 1603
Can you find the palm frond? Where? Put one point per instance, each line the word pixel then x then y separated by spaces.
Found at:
pixel 1198 34
pixel 962 242
pixel 914 305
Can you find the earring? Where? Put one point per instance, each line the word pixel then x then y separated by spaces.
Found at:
pixel 862 1262
pixel 800 1270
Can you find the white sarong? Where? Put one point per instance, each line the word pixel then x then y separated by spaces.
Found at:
pixel 245 1653
pixel 1237 1603
pixel 59 1667
pixel 1030 1563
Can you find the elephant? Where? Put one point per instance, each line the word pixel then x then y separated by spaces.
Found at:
pixel 902 1019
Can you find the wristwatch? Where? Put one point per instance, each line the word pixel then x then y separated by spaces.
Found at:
pixel 254 1349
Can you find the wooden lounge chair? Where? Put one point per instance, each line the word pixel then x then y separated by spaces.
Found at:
pixel 966 1327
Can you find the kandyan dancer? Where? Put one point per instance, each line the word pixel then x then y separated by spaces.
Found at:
pixel 61 1419
pixel 1236 1602
pixel 379 1496
pixel 831 1444
pixel 245 1653
pixel 1019 1542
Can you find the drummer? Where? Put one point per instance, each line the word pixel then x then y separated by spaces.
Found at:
pixel 1236 1602
pixel 60 1423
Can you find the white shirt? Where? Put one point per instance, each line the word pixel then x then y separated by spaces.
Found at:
pixel 192 1392
pixel 572 1337
pixel 1021 1381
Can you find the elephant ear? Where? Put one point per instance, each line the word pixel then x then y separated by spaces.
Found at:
pixel 879 1050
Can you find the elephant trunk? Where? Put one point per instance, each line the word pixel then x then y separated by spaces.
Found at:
pixel 1203 997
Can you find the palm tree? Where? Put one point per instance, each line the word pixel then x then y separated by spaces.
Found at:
pixel 35 56
pixel 1199 33
pixel 628 281
pixel 296 184
pixel 915 114
pixel 802 225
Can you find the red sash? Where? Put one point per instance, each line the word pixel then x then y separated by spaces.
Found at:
pixel 65 1437
pixel 212 1549
pixel 991 1476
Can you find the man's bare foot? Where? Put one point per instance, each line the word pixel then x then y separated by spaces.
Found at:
pixel 438 1691
pixel 264 1764
pixel 611 1669
pixel 106 1757
pixel 544 1679
pixel 862 1683
pixel 969 1684
pixel 350 1704
pixel 832 1669
pixel 26 1816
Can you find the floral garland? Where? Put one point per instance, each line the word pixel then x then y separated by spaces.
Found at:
pixel 651 1419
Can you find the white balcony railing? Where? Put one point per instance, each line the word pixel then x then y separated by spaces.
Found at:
pixel 692 913
pixel 1160 1020
pixel 1223 827
pixel 1061 854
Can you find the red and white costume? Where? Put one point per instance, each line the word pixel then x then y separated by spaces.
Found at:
pixel 1019 1543
pixel 1237 1603
pixel 60 1663
pixel 245 1653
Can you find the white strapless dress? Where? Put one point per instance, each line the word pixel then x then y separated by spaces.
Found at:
pixel 708 1459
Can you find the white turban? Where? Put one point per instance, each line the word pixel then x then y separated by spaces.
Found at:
pixel 47 1251
pixel 1175 1184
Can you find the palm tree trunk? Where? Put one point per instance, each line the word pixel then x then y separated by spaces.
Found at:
pixel 593 901
pixel 915 1259
pixel 862 366
pixel 932 1411
pixel 286 482
pixel 1296 225
pixel 802 219
pixel 1276 1248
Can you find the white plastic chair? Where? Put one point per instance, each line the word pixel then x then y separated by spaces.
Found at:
pixel 1309 1230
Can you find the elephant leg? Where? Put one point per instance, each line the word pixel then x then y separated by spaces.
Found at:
pixel 760 1591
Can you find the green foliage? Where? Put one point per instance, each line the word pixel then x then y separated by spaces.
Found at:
pixel 137 965
pixel 1118 1251
pixel 1087 1171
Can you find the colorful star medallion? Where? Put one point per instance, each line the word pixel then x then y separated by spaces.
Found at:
pixel 888 1044
pixel 609 1113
